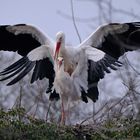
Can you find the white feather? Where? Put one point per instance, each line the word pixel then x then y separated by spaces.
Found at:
pixel 97 37
pixel 80 74
pixel 94 54
pixel 40 53
pixel 28 29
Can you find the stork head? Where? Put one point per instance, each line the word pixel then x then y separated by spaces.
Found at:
pixel 60 42
pixel 60 61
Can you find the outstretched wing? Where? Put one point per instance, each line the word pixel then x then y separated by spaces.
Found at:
pixel 104 47
pixel 115 39
pixel 21 38
pixel 35 48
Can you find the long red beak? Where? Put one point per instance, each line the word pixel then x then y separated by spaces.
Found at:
pixel 57 49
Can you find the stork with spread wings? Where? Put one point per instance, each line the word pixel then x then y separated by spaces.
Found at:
pixel 73 72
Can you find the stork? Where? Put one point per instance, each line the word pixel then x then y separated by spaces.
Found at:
pixel 73 71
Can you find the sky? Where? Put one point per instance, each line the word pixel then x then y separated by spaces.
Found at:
pixel 46 15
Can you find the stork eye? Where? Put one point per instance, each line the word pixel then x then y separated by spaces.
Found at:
pixel 60 38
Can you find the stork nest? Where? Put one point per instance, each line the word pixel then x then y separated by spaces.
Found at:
pixel 16 125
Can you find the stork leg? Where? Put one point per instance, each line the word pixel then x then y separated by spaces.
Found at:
pixel 63 117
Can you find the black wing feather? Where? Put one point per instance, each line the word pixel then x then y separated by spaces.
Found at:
pixel 93 79
pixel 22 43
pixel 27 69
pixel 116 44
pixel 44 68
pixel 16 71
pixel 14 66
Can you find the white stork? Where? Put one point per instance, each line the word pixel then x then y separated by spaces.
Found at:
pixel 73 72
